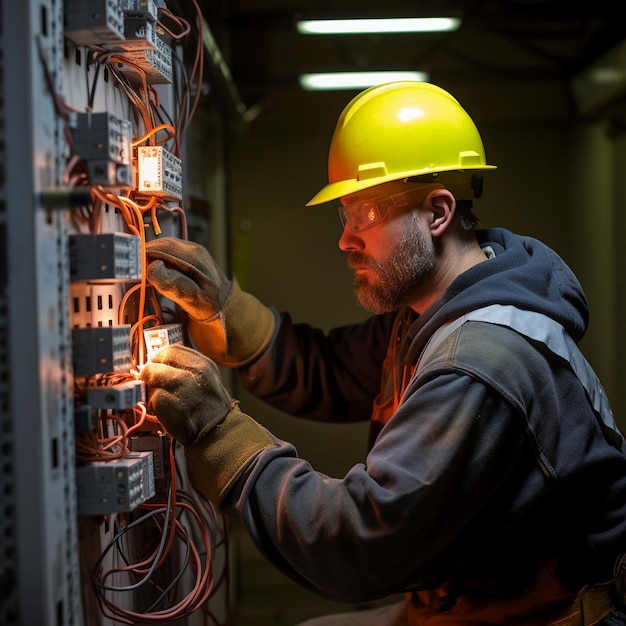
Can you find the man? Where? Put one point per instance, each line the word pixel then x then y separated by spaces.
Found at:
pixel 494 490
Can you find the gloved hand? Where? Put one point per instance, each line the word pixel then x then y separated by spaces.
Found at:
pixel 186 393
pixel 227 324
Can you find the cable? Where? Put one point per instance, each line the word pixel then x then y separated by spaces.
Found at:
pixel 179 21
pixel 169 525
pixel 149 135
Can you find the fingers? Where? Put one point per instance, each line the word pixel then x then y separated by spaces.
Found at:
pixel 182 357
pixel 186 273
pixel 166 404
pixel 185 391
pixel 187 256
pixel 178 365
pixel 155 374
pixel 163 247
pixel 201 301
pixel 170 280
pixel 180 267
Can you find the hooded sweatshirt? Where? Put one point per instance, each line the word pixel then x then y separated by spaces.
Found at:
pixel 490 489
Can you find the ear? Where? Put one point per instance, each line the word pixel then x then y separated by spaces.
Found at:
pixel 443 206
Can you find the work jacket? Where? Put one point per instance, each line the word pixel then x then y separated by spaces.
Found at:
pixel 494 486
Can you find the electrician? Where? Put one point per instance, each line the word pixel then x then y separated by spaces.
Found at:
pixel 494 488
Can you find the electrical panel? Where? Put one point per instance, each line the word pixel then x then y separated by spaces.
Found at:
pixel 93 123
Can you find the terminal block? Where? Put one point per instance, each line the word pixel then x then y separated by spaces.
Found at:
pixel 147 475
pixel 140 8
pixel 91 22
pixel 103 141
pixel 108 257
pixel 155 65
pixel 160 336
pixel 110 174
pixel 159 173
pixel 139 34
pixel 159 444
pixel 84 419
pixel 117 486
pixel 101 350
pixel 100 136
pixel 117 397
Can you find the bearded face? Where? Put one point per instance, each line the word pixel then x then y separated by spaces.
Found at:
pixel 393 282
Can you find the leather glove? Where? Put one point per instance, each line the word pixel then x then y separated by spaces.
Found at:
pixel 186 393
pixel 227 324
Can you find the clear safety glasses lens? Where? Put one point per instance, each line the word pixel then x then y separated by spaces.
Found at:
pixel 362 215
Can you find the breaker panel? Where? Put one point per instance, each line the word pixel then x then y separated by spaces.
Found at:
pixel 124 537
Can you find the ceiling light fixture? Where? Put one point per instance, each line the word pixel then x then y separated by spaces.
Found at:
pixel 355 80
pixel 378 25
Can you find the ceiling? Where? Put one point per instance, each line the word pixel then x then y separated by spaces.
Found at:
pixel 501 44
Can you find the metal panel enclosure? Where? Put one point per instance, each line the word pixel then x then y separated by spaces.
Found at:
pixel 49 549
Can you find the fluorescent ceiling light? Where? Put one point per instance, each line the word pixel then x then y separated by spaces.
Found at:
pixel 392 25
pixel 355 80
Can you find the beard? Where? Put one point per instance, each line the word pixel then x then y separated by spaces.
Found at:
pixel 400 276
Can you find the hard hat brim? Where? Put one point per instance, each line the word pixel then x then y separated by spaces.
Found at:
pixel 341 188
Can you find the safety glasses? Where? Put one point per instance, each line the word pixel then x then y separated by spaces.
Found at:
pixel 363 215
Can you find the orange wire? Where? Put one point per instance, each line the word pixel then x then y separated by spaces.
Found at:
pixel 150 134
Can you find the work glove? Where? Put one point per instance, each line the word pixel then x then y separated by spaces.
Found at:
pixel 227 324
pixel 186 393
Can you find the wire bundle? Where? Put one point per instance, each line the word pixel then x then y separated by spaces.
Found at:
pixel 169 554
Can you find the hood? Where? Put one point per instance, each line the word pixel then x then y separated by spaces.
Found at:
pixel 525 273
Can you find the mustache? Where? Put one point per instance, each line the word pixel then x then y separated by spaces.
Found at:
pixel 358 259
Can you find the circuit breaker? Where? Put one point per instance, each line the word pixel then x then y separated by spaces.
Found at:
pixel 107 257
pixel 106 487
pixel 94 22
pixel 101 350
pixel 103 142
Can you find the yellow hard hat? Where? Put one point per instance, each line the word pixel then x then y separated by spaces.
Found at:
pixel 401 130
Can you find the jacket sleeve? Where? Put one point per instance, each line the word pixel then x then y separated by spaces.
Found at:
pixel 479 474
pixel 393 521
pixel 332 376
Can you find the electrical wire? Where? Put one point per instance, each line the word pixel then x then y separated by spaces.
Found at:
pixel 161 554
pixel 150 135
pixel 182 23
pixel 188 107
pixel 143 572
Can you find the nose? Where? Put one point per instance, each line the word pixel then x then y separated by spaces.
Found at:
pixel 350 240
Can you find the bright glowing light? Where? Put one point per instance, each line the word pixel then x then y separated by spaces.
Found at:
pixel 377 25
pixel 355 80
